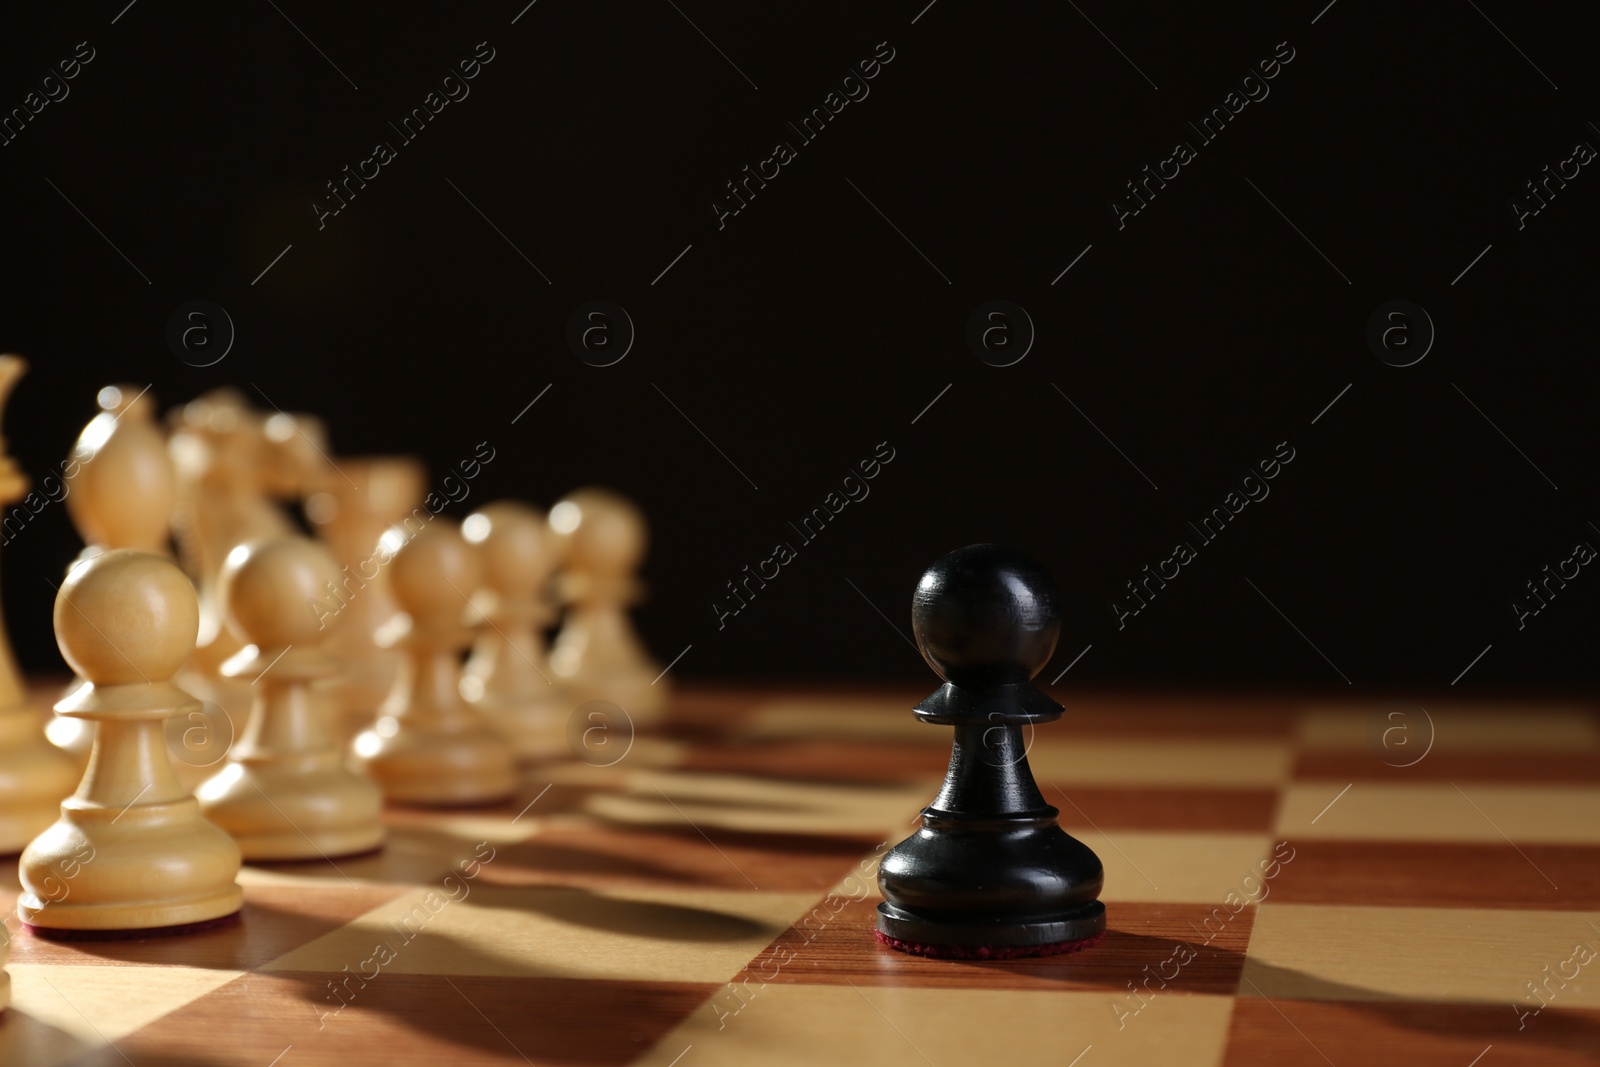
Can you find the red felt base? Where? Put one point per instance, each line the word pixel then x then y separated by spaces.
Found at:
pixel 986 952
pixel 52 934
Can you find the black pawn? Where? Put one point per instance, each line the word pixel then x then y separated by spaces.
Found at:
pixel 990 874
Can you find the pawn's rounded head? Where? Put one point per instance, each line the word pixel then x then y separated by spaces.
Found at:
pixel 986 615
pixel 432 570
pixel 515 545
pixel 602 531
pixel 276 591
pixel 124 616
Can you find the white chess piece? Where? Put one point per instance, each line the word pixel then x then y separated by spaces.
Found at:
pixel 428 746
pixel 597 655
pixel 285 793
pixel 507 676
pixel 130 850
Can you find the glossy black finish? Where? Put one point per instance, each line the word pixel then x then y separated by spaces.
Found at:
pixel 986 616
pixel 990 866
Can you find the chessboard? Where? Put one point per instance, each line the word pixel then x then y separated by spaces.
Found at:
pixel 1287 882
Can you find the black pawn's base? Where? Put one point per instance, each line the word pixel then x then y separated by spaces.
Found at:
pixel 971 937
pixel 983 952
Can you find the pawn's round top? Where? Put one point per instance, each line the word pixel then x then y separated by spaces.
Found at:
pixel 986 616
pixel 125 617
pixel 270 587
pixel 433 571
pixel 515 545
pixel 604 533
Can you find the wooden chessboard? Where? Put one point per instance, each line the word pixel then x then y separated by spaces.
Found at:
pixel 708 898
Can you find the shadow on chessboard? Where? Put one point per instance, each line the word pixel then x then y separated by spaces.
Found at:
pixel 1123 959
pixel 417 1017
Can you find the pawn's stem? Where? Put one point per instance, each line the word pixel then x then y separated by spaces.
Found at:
pixel 435 681
pixel 989 774
pixel 283 723
pixel 507 654
pixel 129 765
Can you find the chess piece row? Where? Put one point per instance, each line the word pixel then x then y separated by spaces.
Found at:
pixel 126 621
pixel 133 848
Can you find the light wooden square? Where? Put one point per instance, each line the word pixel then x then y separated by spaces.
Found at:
pixel 800 1025
pixel 1452 955
pixel 1442 812
pixel 1457 728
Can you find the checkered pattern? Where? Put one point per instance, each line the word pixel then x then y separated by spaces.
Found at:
pixel 1277 893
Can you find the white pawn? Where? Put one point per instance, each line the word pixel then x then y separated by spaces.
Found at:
pixel 428 745
pixel 121 491
pixel 597 654
pixel 285 793
pixel 507 675
pixel 131 850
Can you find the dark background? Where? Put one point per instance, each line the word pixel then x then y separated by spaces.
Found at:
pixel 808 330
